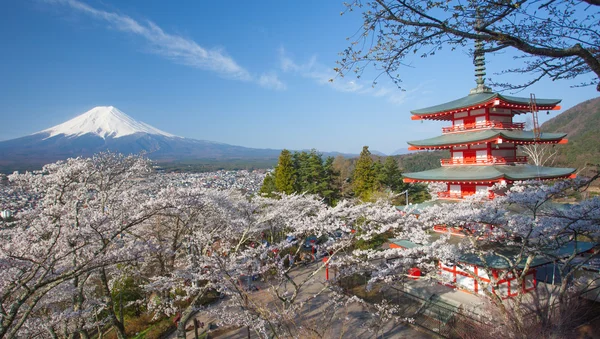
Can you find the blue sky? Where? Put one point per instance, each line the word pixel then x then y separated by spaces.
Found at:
pixel 250 73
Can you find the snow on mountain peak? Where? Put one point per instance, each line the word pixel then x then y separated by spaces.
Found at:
pixel 103 121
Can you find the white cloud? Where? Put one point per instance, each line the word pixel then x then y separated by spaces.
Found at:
pixel 328 77
pixel 176 48
pixel 271 80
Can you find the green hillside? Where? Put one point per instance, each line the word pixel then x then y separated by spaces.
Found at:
pixel 421 161
pixel 582 125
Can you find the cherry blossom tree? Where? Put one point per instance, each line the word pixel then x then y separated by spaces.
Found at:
pixel 88 224
pixel 554 39
pixel 527 221
pixel 75 228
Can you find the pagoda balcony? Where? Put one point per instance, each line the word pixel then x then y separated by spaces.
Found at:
pixel 489 160
pixel 484 125
pixel 460 195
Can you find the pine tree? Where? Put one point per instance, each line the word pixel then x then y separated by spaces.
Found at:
pixel 285 174
pixel 316 183
pixel 268 186
pixel 378 175
pixel 332 190
pixel 391 176
pixel 363 179
pixel 302 171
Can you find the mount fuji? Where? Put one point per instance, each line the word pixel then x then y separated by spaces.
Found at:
pixel 107 128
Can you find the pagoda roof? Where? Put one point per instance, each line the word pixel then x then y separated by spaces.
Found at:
pixel 475 100
pixel 490 173
pixel 463 138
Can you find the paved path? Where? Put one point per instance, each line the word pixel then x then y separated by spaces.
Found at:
pixel 345 323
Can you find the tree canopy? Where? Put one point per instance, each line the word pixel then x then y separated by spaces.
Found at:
pixel 303 172
pixel 285 174
pixel 555 39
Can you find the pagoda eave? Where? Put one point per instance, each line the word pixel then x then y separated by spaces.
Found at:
pixel 497 136
pixel 482 100
pixel 489 174
pixel 413 147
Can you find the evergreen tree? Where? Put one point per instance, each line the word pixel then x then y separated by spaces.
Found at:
pixel 363 178
pixel 378 175
pixel 391 176
pixel 316 182
pixel 332 191
pixel 285 174
pixel 302 171
pixel 268 186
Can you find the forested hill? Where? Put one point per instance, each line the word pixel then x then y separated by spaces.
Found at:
pixel 581 123
pixel 421 161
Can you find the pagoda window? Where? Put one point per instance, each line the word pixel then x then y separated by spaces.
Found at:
pixel 475 112
pixel 503 153
pixel 479 146
pixel 455 190
pixel 459 122
pixel 482 156
pixel 457 155
pixel 503 118
pixel 529 282
pixel 482 188
pixel 480 119
pixel 465 281
pixel 461 115
pixel 503 111
pixel 504 289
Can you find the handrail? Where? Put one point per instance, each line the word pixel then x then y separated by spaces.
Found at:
pixel 482 125
pixel 488 160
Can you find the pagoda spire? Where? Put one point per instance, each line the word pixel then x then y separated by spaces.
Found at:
pixel 479 62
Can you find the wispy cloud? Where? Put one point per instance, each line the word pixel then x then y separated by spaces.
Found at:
pixel 323 75
pixel 176 48
pixel 270 80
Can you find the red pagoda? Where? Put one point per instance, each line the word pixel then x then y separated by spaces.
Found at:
pixel 483 140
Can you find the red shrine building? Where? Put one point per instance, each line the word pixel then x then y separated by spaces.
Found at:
pixel 483 139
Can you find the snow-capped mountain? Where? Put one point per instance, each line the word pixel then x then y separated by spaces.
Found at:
pixel 107 128
pixel 103 121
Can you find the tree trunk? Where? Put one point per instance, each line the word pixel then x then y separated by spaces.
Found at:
pixel 186 315
pixel 110 307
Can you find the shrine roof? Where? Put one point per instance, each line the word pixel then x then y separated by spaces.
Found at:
pixel 480 99
pixel 490 173
pixel 503 252
pixel 476 136
pixel 417 208
pixel 512 252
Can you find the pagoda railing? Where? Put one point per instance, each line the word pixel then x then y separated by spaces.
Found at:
pixel 460 195
pixel 489 160
pixel 483 125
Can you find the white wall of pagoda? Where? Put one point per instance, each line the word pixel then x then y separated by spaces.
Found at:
pixel 481 117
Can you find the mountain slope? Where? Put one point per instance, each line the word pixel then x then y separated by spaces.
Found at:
pixel 106 128
pixel 103 121
pixel 581 123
